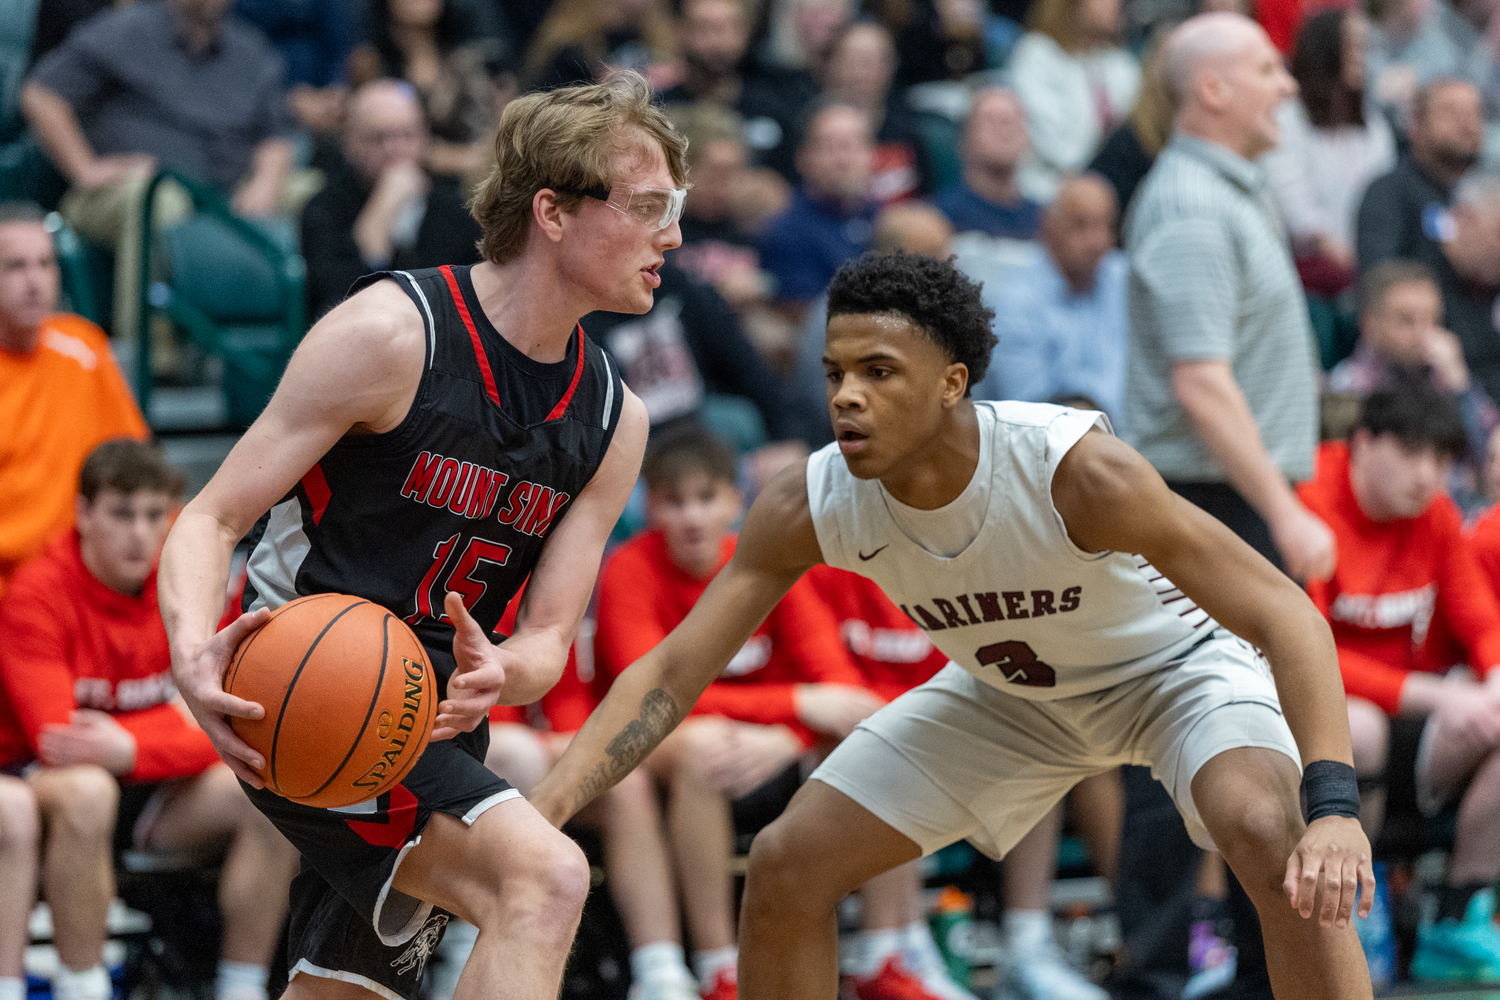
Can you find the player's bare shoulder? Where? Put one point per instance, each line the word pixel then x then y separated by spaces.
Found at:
pixel 778 533
pixel 1107 493
pixel 365 356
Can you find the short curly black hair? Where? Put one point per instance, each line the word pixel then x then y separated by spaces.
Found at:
pixel 932 294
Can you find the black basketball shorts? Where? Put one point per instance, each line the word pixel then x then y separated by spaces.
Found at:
pixel 346 922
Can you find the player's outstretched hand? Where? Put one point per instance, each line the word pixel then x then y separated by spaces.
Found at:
pixel 477 679
pixel 1335 851
pixel 199 676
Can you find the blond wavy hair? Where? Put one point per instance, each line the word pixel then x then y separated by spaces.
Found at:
pixel 567 140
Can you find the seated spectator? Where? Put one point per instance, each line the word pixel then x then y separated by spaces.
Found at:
pixel 462 72
pixel 858 70
pixel 1401 342
pixel 995 144
pixel 829 221
pixel 1399 212
pixel 1075 83
pixel 86 697
pixel 382 209
pixel 60 392
pixel 791 685
pixel 1129 151
pixel 314 40
pixel 715 249
pixel 714 39
pixel 580 38
pixel 20 837
pixel 1403 565
pixel 1061 317
pixel 1332 146
pixel 173 84
pixel 689 344
pixel 1469 274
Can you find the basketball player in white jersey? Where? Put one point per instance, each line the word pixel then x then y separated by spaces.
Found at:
pixel 1092 619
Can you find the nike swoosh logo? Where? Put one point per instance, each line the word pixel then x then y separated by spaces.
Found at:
pixel 872 555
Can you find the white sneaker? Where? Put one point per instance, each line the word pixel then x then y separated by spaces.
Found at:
pixel 666 988
pixel 1046 975
pixel 926 966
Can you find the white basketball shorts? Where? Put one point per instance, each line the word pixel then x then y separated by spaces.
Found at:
pixel 958 759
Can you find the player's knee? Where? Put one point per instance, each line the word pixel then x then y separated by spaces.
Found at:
pixel 20 824
pixel 1259 831
pixel 549 879
pixel 779 871
pixel 82 801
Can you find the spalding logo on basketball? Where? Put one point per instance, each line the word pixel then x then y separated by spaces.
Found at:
pixel 349 698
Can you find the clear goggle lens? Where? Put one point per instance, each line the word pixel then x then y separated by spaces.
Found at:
pixel 654 208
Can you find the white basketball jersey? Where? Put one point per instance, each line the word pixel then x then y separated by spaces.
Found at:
pixel 1022 608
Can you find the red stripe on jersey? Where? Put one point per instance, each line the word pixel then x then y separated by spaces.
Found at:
pixel 463 314
pixel 562 404
pixel 395 827
pixel 318 494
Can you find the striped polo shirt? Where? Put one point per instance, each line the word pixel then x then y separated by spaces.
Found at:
pixel 1211 276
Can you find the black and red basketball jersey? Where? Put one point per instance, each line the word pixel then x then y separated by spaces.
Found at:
pixel 462 494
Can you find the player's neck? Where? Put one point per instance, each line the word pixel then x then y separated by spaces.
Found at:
pixel 939 469
pixel 528 306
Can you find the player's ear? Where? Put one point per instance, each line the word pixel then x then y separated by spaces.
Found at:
pixel 955 382
pixel 547 213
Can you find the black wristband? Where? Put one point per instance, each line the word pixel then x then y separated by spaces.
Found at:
pixel 1329 788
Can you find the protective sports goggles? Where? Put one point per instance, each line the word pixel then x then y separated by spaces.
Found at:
pixel 654 208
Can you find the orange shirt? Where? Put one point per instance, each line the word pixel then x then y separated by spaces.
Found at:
pixel 892 653
pixel 56 405
pixel 68 641
pixel 643 595
pixel 1400 587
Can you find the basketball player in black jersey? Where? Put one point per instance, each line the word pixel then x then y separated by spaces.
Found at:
pixel 438 438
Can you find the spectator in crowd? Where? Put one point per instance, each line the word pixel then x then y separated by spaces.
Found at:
pixel 791 686
pixel 579 38
pixel 461 70
pixel 1130 150
pixel 1075 83
pixel 1414 42
pixel 798 31
pixel 1332 146
pixel 829 220
pixel 940 39
pixel 994 145
pixel 858 70
pixel 714 38
pixel 1061 316
pixel 174 84
pixel 1404 569
pixel 1469 274
pixel 1399 213
pixel 715 249
pixel 60 392
pixel 20 836
pixel 86 692
pixel 314 38
pixel 1401 342
pixel 382 209
pixel 1221 385
pixel 688 345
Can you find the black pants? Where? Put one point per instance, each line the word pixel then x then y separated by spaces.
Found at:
pixel 1155 899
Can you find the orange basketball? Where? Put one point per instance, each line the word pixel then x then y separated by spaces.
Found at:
pixel 349 699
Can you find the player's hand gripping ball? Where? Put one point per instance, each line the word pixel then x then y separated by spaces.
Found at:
pixel 349 698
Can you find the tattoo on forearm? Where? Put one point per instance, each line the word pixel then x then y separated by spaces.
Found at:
pixel 658 716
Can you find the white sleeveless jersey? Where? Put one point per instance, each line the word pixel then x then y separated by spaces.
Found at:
pixel 1022 608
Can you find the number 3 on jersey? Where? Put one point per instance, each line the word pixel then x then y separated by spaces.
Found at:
pixel 478 557
pixel 1017 663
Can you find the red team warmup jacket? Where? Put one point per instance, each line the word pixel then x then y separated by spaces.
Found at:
pixel 67 641
pixel 1400 589
pixel 643 596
